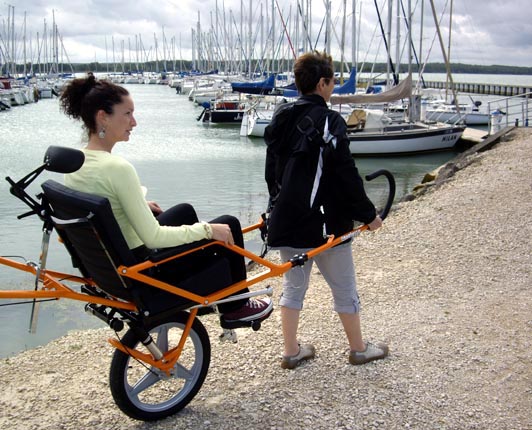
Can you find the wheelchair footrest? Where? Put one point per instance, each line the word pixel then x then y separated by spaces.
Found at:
pixel 254 324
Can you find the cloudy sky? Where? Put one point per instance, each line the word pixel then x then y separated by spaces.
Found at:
pixel 483 31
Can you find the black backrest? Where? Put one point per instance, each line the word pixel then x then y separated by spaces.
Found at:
pixel 95 241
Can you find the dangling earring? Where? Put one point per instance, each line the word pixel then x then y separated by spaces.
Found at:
pixel 101 134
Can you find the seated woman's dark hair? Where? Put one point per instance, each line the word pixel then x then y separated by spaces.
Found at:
pixel 82 98
pixel 309 68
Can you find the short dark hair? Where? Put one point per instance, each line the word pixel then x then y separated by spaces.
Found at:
pixel 82 98
pixel 310 67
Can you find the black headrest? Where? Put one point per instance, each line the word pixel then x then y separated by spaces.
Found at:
pixel 63 160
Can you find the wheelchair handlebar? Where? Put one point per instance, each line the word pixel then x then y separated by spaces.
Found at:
pixel 391 189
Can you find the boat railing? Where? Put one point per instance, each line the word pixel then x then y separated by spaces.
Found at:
pixel 507 111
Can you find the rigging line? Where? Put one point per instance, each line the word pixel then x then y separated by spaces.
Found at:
pixel 319 33
pixel 304 23
pixel 429 52
pixel 411 41
pixel 367 51
pixel 390 62
pixel 286 30
pixel 444 54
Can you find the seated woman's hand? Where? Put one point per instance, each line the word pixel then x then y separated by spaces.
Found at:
pixel 154 207
pixel 222 232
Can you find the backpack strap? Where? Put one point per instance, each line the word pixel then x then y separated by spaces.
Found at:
pixel 307 128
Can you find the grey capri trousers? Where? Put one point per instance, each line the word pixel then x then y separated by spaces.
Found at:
pixel 338 269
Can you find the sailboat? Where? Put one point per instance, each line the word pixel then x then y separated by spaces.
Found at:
pixel 373 133
pixel 454 112
pixel 469 114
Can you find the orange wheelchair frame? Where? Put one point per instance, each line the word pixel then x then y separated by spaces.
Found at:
pixel 178 361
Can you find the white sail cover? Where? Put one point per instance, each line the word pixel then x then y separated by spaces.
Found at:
pixel 401 91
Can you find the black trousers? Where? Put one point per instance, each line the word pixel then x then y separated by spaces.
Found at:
pixel 181 268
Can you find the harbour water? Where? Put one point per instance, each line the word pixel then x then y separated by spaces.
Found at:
pixel 178 159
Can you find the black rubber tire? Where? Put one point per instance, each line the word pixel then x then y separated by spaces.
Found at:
pixel 142 392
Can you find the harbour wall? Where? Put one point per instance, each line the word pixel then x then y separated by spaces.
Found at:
pixel 488 89
pixel 474 88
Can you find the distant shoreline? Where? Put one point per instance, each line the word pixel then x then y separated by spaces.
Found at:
pixel 186 65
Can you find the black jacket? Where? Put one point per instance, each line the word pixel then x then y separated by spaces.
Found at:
pixel 303 201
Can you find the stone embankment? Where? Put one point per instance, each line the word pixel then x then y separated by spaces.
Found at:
pixel 446 283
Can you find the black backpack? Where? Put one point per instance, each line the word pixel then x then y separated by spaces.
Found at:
pixel 291 140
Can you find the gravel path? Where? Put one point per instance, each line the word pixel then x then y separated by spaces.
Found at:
pixel 446 283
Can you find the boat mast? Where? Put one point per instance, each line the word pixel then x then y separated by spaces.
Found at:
pixel 45 48
pixel 231 42
pixel 262 50
pixel 106 56
pixel 129 50
pixel 122 57
pixel 328 26
pixel 180 55
pixel 389 65
pixel 250 39
pixel 295 28
pixel 198 43
pixel 409 35
pixel 113 47
pixel 216 37
pixel 24 45
pixel 55 44
pixel 353 36
pixel 342 50
pixel 137 49
pixel 310 24
pixel 273 37
pixel 449 44
pixel 421 30
pixel 13 50
pixel 445 58
pixel 165 49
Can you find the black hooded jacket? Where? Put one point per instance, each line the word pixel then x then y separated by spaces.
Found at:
pixel 308 191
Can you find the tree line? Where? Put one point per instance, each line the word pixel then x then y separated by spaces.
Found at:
pixel 376 68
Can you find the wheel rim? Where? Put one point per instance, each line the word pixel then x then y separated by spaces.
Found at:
pixel 151 390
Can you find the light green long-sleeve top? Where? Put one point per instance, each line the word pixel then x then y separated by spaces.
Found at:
pixel 113 177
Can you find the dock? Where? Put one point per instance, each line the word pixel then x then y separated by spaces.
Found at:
pixel 473 135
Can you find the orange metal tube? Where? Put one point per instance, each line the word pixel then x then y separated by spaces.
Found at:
pixel 52 288
pixel 170 357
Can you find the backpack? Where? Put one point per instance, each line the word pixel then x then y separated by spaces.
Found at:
pixel 288 141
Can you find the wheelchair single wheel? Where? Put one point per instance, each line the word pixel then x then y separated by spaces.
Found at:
pixel 146 393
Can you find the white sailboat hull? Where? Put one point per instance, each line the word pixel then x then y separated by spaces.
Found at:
pixel 255 122
pixel 45 93
pixel 257 125
pixel 404 139
pixel 471 118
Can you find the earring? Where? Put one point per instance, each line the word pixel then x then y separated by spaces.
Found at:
pixel 101 134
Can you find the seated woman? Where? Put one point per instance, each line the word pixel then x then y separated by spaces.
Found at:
pixel 106 111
